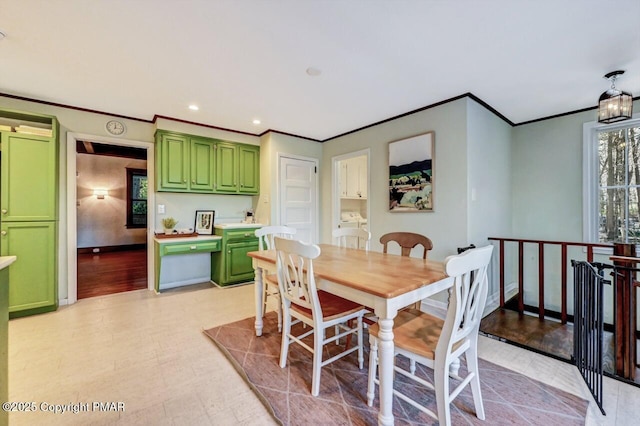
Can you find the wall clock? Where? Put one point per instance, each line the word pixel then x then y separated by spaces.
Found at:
pixel 115 127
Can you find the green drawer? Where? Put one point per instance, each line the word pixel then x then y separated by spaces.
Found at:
pixel 241 234
pixel 183 248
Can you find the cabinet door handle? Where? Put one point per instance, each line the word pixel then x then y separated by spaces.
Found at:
pixel 247 235
pixel 193 247
pixel 4 211
pixel 3 233
pixel 229 252
pixel 184 181
pixel 193 181
pixel 242 184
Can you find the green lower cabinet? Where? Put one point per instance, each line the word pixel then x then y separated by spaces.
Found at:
pixel 33 287
pixel 232 265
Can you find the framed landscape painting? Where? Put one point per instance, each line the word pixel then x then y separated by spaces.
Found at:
pixel 411 175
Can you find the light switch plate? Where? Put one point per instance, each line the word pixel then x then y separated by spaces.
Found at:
pixel 161 209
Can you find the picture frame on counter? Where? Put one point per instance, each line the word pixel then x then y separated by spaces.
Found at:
pixel 204 222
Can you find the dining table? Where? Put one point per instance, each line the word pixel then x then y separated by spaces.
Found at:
pixel 382 281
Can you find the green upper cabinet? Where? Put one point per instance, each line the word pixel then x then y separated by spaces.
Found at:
pixel 187 163
pixel 237 168
pixel 29 174
pixel 184 163
pixel 173 165
pixel 249 170
pixel 202 164
pixel 226 167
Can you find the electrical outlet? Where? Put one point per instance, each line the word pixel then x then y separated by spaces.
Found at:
pixel 96 250
pixel 161 209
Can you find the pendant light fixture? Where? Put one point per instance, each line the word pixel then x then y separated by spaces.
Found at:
pixel 614 105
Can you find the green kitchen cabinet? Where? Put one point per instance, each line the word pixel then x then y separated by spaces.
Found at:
pixel 232 265
pixel 249 169
pixel 29 210
pixel 28 177
pixel 184 163
pixel 173 163
pixel 33 287
pixel 237 168
pixel 196 164
pixel 226 167
pixel 202 164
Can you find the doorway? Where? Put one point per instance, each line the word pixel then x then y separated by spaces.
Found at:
pixel 89 199
pixel 351 190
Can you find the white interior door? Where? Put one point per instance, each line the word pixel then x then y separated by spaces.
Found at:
pixel 299 197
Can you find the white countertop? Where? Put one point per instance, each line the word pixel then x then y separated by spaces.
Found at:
pixel 187 239
pixel 238 225
pixel 6 261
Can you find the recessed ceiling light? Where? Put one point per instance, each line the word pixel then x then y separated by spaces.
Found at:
pixel 256 121
pixel 194 107
pixel 313 71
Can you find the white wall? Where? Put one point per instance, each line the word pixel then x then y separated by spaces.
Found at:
pixel 102 222
pixel 488 182
pixel 547 200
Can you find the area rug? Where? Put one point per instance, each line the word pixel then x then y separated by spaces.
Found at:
pixel 509 397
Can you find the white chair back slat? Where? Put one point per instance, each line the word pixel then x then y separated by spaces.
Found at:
pixel 352 237
pixel 468 297
pixel 267 233
pixel 295 272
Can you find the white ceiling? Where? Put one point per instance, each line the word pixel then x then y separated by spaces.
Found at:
pixel 245 59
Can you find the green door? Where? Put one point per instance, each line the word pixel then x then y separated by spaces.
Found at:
pixel 29 178
pixel 238 265
pixel 202 164
pixel 174 162
pixel 249 159
pixel 33 274
pixel 226 167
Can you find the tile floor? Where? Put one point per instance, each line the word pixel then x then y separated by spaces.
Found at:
pixel 148 351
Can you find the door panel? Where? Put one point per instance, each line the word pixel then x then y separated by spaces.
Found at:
pixel 298 202
pixel 201 165
pixel 226 167
pixel 29 177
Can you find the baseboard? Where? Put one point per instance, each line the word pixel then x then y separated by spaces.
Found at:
pixel 434 307
pixel 105 249
pixel 493 300
pixel 166 286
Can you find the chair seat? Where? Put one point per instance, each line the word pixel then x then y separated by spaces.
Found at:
pixel 414 331
pixel 332 306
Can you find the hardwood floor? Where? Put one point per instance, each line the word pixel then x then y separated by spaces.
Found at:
pixel 547 337
pixel 111 272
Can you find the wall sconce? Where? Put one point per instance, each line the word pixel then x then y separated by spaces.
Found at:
pixel 614 105
pixel 100 193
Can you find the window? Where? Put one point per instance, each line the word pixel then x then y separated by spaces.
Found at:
pixel 612 182
pixel 137 198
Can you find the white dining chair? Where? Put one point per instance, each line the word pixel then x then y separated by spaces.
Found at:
pixel 303 303
pixel 437 343
pixel 352 237
pixel 265 242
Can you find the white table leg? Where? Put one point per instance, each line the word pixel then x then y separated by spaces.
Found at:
pixel 259 289
pixel 385 355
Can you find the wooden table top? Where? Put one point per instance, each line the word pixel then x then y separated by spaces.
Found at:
pixel 380 274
